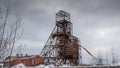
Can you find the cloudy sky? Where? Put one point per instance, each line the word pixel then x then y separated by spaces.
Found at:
pixel 95 22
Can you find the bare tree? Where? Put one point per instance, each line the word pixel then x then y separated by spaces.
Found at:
pixel 9 31
pixel 107 58
pixel 99 59
pixel 114 56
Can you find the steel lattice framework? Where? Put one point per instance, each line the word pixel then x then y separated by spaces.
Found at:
pixel 62 47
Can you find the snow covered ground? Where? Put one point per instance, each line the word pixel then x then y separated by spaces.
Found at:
pixel 23 66
pixel 51 66
pixel 40 66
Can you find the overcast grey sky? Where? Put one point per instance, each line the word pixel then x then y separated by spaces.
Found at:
pixel 95 22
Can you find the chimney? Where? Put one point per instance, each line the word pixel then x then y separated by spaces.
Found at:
pixel 26 54
pixel 17 55
pixel 21 55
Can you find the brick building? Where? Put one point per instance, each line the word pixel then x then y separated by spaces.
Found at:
pixel 28 60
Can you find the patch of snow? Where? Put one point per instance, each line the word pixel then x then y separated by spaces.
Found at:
pixel 19 66
pixel 43 66
pixel 39 66
pixel 64 65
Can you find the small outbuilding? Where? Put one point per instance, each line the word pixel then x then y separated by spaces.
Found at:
pixel 28 60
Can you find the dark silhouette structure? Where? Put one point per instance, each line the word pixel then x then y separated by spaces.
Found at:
pixel 62 47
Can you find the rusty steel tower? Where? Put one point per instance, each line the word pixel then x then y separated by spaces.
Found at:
pixel 62 47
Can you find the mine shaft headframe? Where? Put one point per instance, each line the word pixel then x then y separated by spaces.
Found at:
pixel 62 46
pixel 63 21
pixel 62 15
